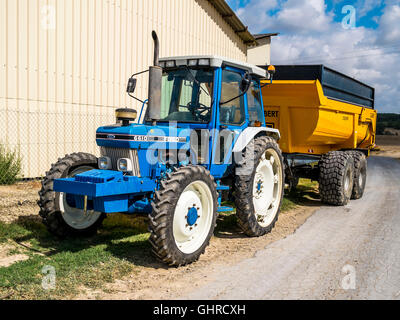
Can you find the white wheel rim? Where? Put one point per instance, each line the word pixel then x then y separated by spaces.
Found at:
pixel 77 218
pixel 189 232
pixel 347 183
pixel 267 188
pixel 360 179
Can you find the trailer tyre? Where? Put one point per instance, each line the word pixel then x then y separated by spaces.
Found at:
pixel 336 178
pixel 259 186
pixel 59 216
pixel 360 174
pixel 184 215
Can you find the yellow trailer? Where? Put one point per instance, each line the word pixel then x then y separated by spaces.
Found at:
pixel 326 119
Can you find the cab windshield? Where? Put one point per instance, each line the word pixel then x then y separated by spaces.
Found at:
pixel 187 95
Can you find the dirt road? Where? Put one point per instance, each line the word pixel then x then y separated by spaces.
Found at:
pixel 339 253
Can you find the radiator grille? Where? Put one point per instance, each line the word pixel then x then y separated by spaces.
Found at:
pixel 117 153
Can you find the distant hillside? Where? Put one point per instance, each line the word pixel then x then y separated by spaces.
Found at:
pixel 387 120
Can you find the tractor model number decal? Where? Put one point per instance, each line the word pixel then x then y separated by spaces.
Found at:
pixel 141 138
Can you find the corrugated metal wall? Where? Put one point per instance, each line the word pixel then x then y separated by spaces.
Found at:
pixel 64 65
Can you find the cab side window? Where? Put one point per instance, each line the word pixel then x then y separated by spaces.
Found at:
pixel 232 113
pixel 254 104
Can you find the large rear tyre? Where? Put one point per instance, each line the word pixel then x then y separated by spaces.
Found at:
pixel 57 209
pixel 360 174
pixel 336 178
pixel 259 187
pixel 184 216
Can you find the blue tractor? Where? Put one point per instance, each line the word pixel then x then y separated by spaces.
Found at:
pixel 201 141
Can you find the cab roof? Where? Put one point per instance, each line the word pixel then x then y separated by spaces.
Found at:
pixel 217 61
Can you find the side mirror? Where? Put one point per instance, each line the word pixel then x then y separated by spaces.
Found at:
pixel 245 83
pixel 131 85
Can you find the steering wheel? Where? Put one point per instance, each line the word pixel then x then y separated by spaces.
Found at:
pixel 198 110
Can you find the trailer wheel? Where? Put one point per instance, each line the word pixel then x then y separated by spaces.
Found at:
pixel 360 174
pixel 56 208
pixel 259 187
pixel 336 178
pixel 184 216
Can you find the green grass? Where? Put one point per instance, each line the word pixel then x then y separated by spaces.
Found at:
pixel 306 194
pixel 118 249
pixel 114 252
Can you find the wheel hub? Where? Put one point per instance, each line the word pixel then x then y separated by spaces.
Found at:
pixel 260 186
pixel 192 216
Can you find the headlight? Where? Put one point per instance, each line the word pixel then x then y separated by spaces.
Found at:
pixel 104 163
pixel 125 165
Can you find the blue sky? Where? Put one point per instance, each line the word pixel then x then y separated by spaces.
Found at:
pixel 367 18
pixel 359 37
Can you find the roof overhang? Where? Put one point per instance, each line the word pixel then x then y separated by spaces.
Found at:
pixel 233 21
pixel 265 35
pixel 217 62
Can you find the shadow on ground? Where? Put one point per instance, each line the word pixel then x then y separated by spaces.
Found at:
pixel 125 237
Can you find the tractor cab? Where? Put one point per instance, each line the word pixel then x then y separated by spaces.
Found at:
pixel 209 91
pixel 204 109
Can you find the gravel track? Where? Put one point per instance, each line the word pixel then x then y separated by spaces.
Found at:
pixel 361 239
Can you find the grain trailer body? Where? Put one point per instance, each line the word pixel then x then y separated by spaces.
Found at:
pixel 319 111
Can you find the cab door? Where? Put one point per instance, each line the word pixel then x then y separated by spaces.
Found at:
pixel 231 118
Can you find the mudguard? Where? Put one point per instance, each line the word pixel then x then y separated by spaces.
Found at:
pixel 249 133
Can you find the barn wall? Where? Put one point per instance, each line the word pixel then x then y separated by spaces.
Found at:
pixel 64 65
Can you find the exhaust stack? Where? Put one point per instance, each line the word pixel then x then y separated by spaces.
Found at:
pixel 155 83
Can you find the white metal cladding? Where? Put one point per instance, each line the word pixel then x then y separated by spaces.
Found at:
pixel 64 65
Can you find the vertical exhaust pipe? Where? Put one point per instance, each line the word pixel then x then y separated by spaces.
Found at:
pixel 155 83
pixel 156 48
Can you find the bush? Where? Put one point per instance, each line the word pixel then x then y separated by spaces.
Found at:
pixel 10 165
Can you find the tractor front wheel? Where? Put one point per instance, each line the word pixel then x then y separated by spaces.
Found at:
pixel 184 215
pixel 57 209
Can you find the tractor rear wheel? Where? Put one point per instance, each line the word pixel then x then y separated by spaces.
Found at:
pixel 336 178
pixel 259 186
pixel 57 209
pixel 184 215
pixel 360 174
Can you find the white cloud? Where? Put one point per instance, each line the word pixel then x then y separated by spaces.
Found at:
pixel 389 25
pixel 256 13
pixel 309 35
pixel 366 6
